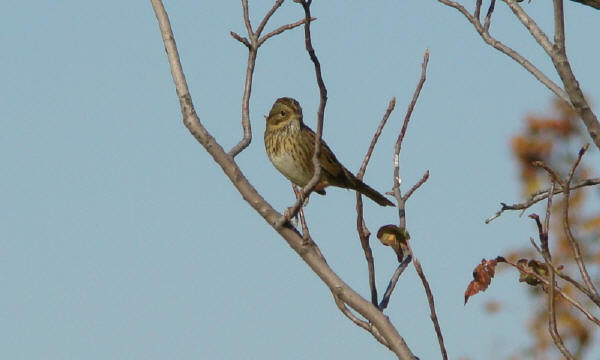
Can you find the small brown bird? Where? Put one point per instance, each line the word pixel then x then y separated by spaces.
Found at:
pixel 290 145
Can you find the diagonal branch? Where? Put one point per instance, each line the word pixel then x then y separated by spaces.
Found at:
pixel 392 284
pixel 490 40
pixel 288 233
pixel 572 92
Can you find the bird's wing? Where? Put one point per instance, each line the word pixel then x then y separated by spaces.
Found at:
pixel 336 173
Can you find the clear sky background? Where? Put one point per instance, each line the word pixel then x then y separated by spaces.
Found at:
pixel 121 239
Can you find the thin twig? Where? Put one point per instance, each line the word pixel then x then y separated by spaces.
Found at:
pixel 488 16
pixel 553 175
pixel 582 151
pixel 253 42
pixel 562 294
pixel 246 15
pixel 573 243
pixel 283 28
pixel 392 284
pixel 410 109
pixel 268 15
pixel 430 301
pixel 364 235
pixel 402 202
pixel 538 196
pixel 477 9
pixel 416 186
pixel 305 231
pixel 388 111
pixel 398 146
pixel 565 277
pixel 545 249
pixel 552 328
pixel 293 210
pixel 363 231
pixel 490 40
pixel 241 39
pixel 361 323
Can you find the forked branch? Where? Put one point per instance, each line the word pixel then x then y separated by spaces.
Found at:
pixel 307 252
pixel 572 92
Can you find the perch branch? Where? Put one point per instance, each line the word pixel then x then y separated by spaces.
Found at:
pixel 252 197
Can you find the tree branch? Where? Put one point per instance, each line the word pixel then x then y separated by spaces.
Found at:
pixel 490 40
pixel 538 196
pixel 363 232
pixel 392 284
pixel 293 210
pixel 288 233
pixel 253 44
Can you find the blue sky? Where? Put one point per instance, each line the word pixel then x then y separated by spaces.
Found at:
pixel 120 238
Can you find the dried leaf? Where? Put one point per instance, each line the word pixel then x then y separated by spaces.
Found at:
pixel 482 277
pixel 532 266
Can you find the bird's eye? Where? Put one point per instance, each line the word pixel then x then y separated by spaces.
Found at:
pixel 282 113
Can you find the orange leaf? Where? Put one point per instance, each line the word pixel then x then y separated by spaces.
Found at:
pixel 482 277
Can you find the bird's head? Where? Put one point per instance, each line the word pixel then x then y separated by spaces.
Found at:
pixel 284 111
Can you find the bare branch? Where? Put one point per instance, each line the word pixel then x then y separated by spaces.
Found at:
pixel 253 44
pixel 558 290
pixel 361 323
pixel 364 234
pixel 402 201
pixel 552 328
pixel 283 28
pixel 488 39
pixel 320 114
pixel 322 94
pixel 538 196
pixel 392 284
pixel 313 259
pixel 488 16
pixel 241 39
pixel 576 164
pixel 305 231
pixel 573 243
pixel 535 31
pixel 477 9
pixel 559 58
pixel 361 228
pixel 247 18
pixel 416 186
pixel 545 250
pixel 388 111
pixel 409 111
pixel 572 92
pixel 397 147
pixel 268 15
pixel 553 175
pixel 430 301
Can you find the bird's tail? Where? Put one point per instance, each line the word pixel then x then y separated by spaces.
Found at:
pixel 372 194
